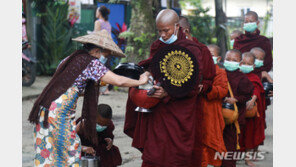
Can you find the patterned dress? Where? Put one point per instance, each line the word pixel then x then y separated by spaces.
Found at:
pixel 59 145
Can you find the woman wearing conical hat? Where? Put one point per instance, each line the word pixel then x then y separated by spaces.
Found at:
pixel 55 140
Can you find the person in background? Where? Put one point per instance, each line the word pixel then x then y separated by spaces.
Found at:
pixel 102 14
pixel 104 148
pixel 233 35
pixel 24 30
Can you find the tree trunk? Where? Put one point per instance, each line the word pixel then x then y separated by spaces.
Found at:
pixel 142 22
pixel 169 4
pixel 221 27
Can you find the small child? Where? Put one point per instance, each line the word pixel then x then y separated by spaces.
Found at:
pixel 108 153
pixel 233 35
pixel 242 89
pixel 252 135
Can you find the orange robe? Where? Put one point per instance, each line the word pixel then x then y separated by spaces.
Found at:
pixel 213 122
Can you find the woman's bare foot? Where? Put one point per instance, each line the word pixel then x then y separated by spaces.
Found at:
pixel 250 163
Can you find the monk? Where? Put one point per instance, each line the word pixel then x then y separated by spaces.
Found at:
pixel 242 89
pixel 252 135
pixel 170 136
pixel 213 122
pixel 233 35
pixel 251 39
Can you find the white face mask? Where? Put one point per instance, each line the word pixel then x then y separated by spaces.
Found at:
pixel 172 39
pixel 103 59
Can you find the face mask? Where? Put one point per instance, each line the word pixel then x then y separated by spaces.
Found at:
pixel 246 68
pixel 231 43
pixel 250 27
pixel 172 39
pixel 103 59
pixel 100 128
pixel 258 63
pixel 231 65
pixel 215 59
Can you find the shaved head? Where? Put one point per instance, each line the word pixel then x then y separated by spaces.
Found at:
pixel 253 14
pixel 235 54
pixel 214 49
pixel 258 52
pixel 238 32
pixel 184 23
pixel 167 16
pixel 167 23
pixel 249 56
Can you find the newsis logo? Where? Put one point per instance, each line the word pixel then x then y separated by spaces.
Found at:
pixel 239 155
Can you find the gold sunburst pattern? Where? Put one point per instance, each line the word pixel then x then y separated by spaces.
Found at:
pixel 177 67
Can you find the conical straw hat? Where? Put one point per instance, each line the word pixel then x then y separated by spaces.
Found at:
pixel 103 40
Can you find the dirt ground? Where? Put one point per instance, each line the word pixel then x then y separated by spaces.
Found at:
pixel 131 157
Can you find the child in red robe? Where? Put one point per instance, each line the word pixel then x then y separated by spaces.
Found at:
pixel 104 148
pixel 242 89
pixel 252 135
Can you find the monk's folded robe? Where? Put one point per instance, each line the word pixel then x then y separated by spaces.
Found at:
pixel 252 135
pixel 242 89
pixel 108 158
pixel 247 41
pixel 213 121
pixel 169 135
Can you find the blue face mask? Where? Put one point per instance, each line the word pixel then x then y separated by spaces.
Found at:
pixel 215 59
pixel 246 68
pixel 258 63
pixel 172 39
pixel 231 65
pixel 103 59
pixel 100 128
pixel 250 27
pixel 231 43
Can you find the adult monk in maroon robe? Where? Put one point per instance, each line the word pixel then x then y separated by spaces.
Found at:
pixel 251 39
pixel 171 136
pixel 242 89
pixel 252 135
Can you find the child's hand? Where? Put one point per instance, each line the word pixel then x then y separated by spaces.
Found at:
pixel 109 142
pixel 88 150
pixel 250 105
pixel 230 100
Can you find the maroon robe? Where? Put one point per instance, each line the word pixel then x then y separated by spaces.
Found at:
pixel 247 41
pixel 108 158
pixel 170 135
pixel 242 89
pixel 252 135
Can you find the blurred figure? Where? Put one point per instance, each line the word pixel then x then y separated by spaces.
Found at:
pixel 233 35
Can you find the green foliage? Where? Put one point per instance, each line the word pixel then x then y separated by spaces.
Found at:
pixel 57 35
pixel 202 25
pixel 142 43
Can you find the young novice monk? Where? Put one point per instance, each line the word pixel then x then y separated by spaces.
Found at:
pixel 242 89
pixel 252 135
pixel 104 148
pixel 233 35
pixel 259 62
pixel 213 122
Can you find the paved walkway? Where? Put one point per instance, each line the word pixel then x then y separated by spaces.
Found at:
pixel 117 100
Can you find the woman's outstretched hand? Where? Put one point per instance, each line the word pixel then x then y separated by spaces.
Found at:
pixel 144 78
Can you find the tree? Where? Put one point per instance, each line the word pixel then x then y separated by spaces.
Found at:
pixel 221 31
pixel 142 31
